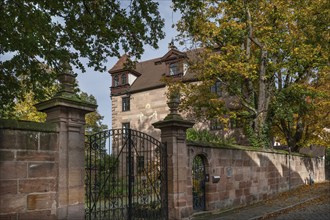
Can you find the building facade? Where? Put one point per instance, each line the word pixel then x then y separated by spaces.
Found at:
pixel 139 96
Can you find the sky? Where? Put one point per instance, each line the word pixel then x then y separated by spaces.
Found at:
pixel 98 84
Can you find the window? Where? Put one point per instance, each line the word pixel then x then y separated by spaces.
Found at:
pixel 140 164
pixel 115 81
pixel 126 126
pixel 125 104
pixel 174 69
pixel 216 124
pixel 123 79
pixel 236 123
pixel 216 88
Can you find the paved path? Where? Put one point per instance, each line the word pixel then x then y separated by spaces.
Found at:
pixel 284 206
pixel 316 210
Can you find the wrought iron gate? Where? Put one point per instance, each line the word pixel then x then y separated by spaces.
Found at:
pixel 198 177
pixel 126 176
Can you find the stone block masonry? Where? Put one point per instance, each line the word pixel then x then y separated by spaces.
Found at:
pixel 28 170
pixel 229 176
pixel 249 176
pixel 42 164
pixel 145 108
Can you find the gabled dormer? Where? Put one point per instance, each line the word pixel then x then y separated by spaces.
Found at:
pixel 122 76
pixel 175 61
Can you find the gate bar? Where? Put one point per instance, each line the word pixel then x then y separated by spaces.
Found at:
pixel 129 174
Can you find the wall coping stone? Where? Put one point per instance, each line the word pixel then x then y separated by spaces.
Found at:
pixel 244 148
pixel 173 122
pixel 67 101
pixel 27 125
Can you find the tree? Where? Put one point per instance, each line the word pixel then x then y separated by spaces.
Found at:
pixel 38 36
pixel 25 110
pixel 93 119
pixel 301 114
pixel 263 52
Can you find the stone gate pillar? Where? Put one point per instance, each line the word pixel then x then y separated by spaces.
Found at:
pixel 67 111
pixel 173 133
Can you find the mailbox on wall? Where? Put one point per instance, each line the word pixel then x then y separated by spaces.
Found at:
pixel 215 179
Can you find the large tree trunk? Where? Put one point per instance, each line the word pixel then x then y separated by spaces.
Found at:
pixel 263 102
pixel 263 96
pixel 293 134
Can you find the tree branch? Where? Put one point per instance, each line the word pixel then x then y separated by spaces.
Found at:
pixel 242 99
pixel 87 8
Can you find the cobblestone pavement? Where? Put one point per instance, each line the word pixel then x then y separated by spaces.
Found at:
pixel 303 203
pixel 315 210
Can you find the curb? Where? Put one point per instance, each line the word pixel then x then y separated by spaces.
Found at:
pixel 270 214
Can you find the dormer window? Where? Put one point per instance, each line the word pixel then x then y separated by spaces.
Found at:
pixel 174 69
pixel 115 81
pixel 174 61
pixel 123 79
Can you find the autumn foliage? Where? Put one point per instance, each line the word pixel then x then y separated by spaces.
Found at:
pixel 271 56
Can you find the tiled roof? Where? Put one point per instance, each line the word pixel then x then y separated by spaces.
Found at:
pixel 151 72
pixel 120 64
pixel 151 75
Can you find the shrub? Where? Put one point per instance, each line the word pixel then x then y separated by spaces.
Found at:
pixel 207 137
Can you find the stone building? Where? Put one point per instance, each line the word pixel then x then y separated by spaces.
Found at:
pixel 139 96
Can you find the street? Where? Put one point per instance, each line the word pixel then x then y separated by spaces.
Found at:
pixel 314 210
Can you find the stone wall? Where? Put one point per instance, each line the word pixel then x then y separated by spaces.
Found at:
pixel 145 108
pixel 248 176
pixel 28 170
pixel 42 169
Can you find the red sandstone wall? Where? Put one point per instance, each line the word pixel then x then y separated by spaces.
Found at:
pixel 250 176
pixel 28 174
